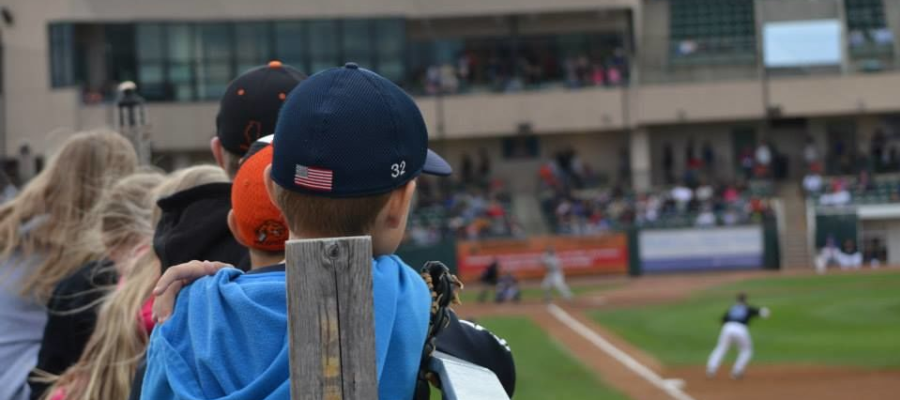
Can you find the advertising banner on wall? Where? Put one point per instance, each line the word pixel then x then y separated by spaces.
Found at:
pixel 695 249
pixel 522 257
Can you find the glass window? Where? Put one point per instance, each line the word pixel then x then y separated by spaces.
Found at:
pixel 61 62
pixel 121 59
pixel 323 45
pixel 214 69
pixel 390 46
pixel 181 57
pixel 356 36
pixel 290 42
pixel 253 45
pixel 150 66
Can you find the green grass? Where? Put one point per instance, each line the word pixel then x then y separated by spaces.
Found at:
pixel 544 368
pixel 841 320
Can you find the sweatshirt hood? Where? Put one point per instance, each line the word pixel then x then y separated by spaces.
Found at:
pixel 227 339
pixel 194 226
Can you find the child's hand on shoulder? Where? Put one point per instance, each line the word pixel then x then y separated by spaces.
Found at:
pixel 175 278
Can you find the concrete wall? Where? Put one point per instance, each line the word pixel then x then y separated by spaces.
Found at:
pixel 836 94
pixel 700 102
pixel 94 10
pixel 546 111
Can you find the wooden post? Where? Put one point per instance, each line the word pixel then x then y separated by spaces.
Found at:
pixel 331 322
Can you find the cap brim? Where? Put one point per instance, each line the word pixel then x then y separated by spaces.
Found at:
pixel 436 165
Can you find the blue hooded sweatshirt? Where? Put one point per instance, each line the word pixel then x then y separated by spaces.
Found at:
pixel 228 336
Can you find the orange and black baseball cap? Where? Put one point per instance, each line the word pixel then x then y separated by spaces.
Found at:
pixel 249 108
pixel 258 222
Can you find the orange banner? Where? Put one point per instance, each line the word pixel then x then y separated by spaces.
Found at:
pixel 579 255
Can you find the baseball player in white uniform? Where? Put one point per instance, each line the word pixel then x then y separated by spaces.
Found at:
pixel 735 332
pixel 554 277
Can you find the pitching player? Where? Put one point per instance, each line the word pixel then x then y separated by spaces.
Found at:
pixel 554 278
pixel 735 332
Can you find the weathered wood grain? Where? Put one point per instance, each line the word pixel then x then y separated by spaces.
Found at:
pixel 331 319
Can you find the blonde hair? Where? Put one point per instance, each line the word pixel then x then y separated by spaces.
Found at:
pixel 126 212
pixel 54 216
pixel 106 368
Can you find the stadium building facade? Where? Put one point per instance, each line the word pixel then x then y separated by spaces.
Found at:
pixel 619 81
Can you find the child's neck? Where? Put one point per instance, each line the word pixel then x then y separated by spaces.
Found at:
pixel 260 259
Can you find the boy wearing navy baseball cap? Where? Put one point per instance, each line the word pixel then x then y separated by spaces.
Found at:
pixel 348 146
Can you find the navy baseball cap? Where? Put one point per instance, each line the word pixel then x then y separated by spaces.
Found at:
pixel 249 108
pixel 348 132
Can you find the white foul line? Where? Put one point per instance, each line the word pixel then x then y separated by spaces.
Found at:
pixel 616 353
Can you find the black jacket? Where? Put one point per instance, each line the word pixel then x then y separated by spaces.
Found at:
pixel 194 226
pixel 72 315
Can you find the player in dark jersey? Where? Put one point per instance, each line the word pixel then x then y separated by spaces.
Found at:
pixel 735 332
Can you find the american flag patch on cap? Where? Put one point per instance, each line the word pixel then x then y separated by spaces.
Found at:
pixel 313 178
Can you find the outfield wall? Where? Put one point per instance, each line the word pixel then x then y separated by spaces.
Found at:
pixel 634 252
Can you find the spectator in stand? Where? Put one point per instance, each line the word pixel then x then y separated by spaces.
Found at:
pixel 682 195
pixel 709 159
pixel 468 169
pixel 614 76
pixel 571 72
pixel 704 192
pixel 877 149
pixel 620 61
pixel 690 153
pixel 812 182
pixel 893 161
pixel 448 81
pixel 598 75
pixel 838 196
pixel 810 152
pixel 842 156
pixel 763 159
pixel 706 218
pixel 747 162
pixel 850 257
pixel 484 165
pixel 464 69
pixel 863 183
pixel 730 217
pixel 668 163
pixel 730 194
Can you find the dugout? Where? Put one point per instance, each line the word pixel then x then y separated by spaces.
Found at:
pixel 874 227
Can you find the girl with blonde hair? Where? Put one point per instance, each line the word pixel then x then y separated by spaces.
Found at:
pixel 45 235
pixel 106 368
pixel 126 229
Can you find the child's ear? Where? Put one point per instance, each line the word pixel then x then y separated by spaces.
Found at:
pixel 232 226
pixel 399 204
pixel 270 187
pixel 215 146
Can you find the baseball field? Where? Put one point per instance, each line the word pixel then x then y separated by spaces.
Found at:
pixel 835 336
